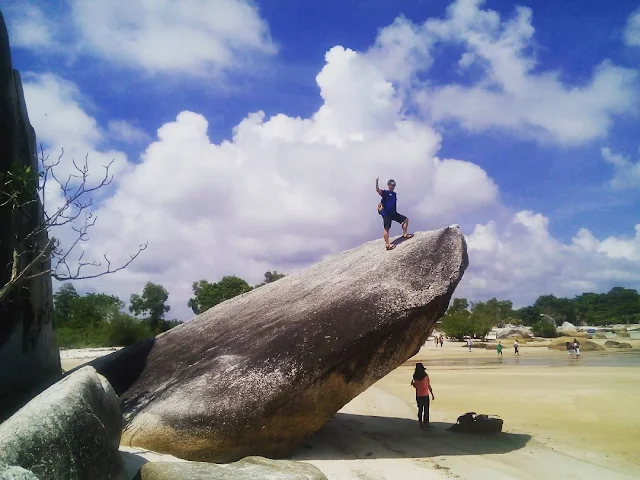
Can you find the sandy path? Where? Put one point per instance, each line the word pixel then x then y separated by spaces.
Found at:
pixel 74 357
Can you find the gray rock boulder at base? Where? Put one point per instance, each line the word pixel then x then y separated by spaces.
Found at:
pixel 70 431
pixel 249 468
pixel 259 373
pixel 15 473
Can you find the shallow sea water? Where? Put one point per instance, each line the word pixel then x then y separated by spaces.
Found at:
pixel 591 359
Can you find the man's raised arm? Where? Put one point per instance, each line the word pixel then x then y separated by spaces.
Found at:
pixel 377 187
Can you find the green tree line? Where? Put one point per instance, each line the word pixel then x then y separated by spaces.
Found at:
pixel 99 320
pixel 475 319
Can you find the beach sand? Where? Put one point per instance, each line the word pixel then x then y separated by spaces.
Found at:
pixel 562 419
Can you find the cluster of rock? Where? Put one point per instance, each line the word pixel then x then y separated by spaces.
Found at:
pixel 253 376
pixel 72 431
pixel 513 333
pixel 614 344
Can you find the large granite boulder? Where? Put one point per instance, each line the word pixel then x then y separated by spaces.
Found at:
pixel 568 328
pixel 259 373
pixel 249 468
pixel 71 431
pixel 28 349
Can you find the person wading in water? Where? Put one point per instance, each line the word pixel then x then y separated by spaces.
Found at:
pixel 387 208
pixel 422 384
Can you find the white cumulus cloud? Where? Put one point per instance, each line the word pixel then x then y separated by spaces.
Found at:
pixel 124 131
pixel 632 30
pixel 520 260
pixel 510 91
pixel 58 113
pixel 29 27
pixel 283 192
pixel 191 37
pixel 626 173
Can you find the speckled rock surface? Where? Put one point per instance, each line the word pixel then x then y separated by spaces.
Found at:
pixel 250 468
pixel 259 373
pixel 70 431
pixel 15 473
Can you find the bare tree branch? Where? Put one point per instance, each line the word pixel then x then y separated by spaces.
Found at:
pixel 74 212
pixel 77 276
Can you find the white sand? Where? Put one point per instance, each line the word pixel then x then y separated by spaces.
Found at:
pixel 73 357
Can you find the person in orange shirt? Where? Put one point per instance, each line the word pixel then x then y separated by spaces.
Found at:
pixel 422 385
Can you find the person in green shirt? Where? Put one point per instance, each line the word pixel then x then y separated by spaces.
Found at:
pixel 499 348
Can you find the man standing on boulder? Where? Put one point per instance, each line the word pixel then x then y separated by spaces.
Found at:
pixel 387 208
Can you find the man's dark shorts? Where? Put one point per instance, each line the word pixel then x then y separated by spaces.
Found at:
pixel 394 217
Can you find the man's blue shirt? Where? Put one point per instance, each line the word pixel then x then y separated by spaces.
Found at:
pixel 389 201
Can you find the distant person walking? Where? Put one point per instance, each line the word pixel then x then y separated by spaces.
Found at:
pixel 441 340
pixel 569 346
pixel 576 347
pixel 387 208
pixel 499 349
pixel 516 348
pixel 469 343
pixel 422 384
pixel 435 339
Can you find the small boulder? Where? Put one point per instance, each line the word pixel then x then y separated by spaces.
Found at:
pixel 623 335
pixel 599 335
pixel 568 328
pixel 585 345
pixel 248 468
pixel 624 345
pixel 611 344
pixel 15 473
pixel 519 333
pixel 71 430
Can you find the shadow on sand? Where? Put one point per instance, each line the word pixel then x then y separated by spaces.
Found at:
pixel 348 437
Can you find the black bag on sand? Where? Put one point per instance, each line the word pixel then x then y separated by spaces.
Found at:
pixel 471 422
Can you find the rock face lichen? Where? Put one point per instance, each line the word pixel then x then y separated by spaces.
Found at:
pixel 28 351
pixel 259 373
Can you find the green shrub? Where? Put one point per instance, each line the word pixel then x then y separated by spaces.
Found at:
pixel 544 329
pixel 124 330
pixel 121 331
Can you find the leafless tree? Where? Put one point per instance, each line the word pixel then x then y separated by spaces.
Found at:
pixel 21 189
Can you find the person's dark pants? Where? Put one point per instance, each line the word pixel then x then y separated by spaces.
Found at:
pixel 423 409
pixel 392 217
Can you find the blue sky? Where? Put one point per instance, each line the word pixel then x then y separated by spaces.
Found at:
pixel 520 99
